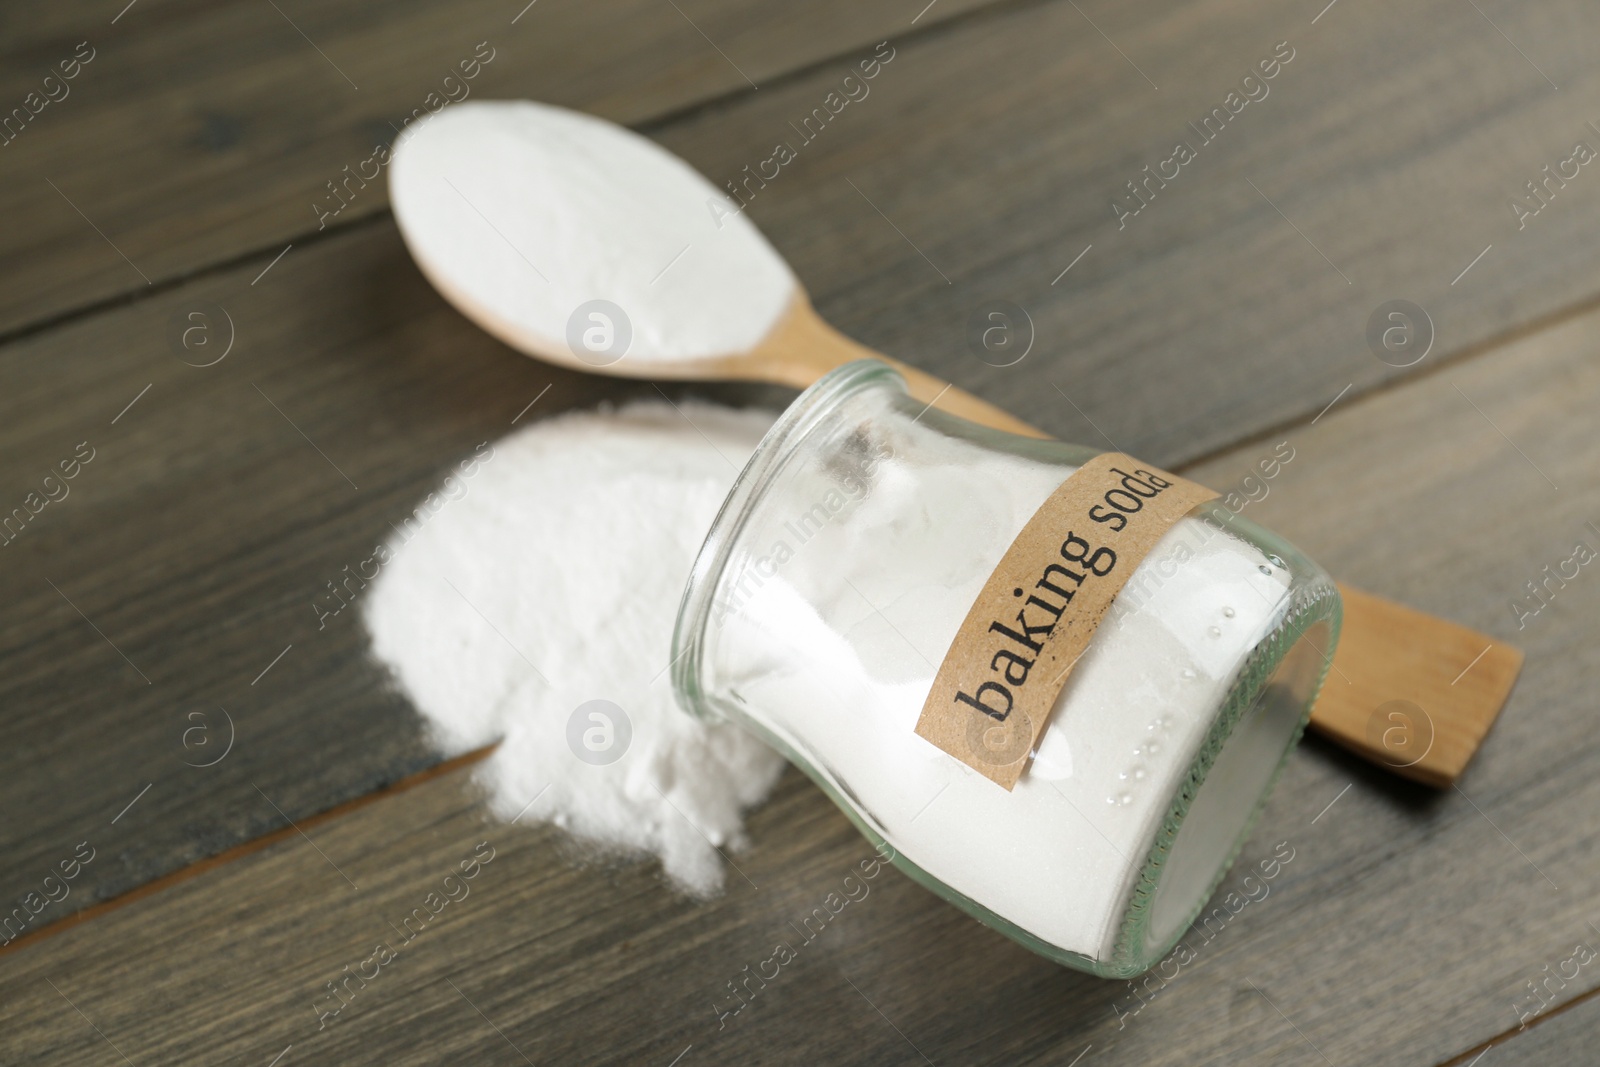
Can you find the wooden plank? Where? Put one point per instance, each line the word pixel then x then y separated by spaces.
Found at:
pixel 198 132
pixel 986 161
pixel 1402 930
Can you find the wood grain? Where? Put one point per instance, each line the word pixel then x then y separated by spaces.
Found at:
pixel 201 132
pixel 184 561
pixel 985 162
pixel 1402 931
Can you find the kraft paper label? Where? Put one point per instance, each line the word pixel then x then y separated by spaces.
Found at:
pixel 1039 610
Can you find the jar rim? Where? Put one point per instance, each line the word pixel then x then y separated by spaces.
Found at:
pixel 792 427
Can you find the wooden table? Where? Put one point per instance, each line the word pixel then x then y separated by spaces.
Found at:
pixel 162 608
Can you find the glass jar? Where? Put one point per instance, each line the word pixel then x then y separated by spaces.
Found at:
pixel 831 586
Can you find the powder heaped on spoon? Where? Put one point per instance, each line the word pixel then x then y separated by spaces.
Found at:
pixel 521 213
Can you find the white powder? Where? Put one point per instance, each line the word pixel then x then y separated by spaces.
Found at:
pixel 554 581
pixel 528 211
pixel 833 650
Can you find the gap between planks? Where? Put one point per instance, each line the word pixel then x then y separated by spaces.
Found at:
pixel 1505 1037
pixel 248 848
pixel 1477 350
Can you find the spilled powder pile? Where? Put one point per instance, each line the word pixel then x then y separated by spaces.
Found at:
pixel 555 581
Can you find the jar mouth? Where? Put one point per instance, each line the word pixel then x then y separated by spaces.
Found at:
pixel 699 595
pixel 1216 805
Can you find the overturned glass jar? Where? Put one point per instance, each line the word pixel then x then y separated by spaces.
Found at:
pixel 847 585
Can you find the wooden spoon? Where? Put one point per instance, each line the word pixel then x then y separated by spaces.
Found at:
pixel 686 275
pixel 1410 692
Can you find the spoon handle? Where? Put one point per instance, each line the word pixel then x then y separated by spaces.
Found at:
pixel 803 347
